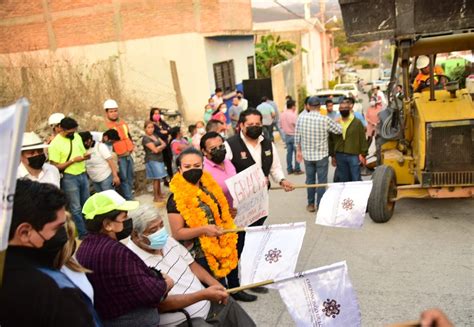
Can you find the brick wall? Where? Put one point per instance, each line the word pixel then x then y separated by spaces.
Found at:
pixel 50 24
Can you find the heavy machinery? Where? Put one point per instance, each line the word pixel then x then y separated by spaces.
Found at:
pixel 425 145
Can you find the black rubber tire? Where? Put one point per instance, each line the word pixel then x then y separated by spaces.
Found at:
pixel 384 188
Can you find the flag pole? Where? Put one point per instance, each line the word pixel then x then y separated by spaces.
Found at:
pixel 301 186
pixel 406 324
pixel 249 286
pixel 234 230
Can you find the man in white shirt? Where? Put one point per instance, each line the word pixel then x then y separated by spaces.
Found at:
pixel 101 167
pixel 243 102
pixel 206 306
pixel 33 161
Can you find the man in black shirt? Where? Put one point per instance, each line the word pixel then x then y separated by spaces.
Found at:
pixel 33 293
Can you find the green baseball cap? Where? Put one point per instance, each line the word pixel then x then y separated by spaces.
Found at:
pixel 106 201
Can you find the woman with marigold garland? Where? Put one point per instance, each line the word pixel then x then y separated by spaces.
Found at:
pixel 198 213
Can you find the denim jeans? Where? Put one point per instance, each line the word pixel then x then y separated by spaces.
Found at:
pixel 76 188
pixel 348 167
pixel 268 132
pixel 313 168
pixel 126 176
pixel 291 153
pixel 106 184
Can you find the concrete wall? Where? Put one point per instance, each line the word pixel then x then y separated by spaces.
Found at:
pixel 236 48
pixel 287 77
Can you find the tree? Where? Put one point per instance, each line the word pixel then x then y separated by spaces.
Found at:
pixel 271 51
pixel 346 49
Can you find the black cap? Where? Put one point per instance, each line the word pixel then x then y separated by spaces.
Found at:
pixel 314 101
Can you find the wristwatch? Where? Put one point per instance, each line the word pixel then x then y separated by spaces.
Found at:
pixel 281 180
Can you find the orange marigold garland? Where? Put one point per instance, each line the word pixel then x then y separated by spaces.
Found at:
pixel 220 251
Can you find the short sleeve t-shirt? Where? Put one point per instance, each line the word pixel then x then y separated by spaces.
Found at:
pixel 60 148
pixel 149 155
pixel 97 166
pixel 266 110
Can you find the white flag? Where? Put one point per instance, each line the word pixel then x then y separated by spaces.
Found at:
pixel 12 126
pixel 344 204
pixel 321 297
pixel 270 252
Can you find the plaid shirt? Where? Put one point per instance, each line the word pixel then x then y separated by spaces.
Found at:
pixel 312 134
pixel 122 281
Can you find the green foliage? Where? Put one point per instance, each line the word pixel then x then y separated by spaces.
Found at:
pixel 365 63
pixel 271 51
pixel 302 94
pixel 332 83
pixel 346 49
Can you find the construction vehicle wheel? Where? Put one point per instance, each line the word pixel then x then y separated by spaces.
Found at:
pixel 384 190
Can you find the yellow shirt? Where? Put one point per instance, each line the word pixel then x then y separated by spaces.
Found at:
pixel 59 149
pixel 345 125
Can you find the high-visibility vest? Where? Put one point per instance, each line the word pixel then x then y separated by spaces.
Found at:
pixel 125 144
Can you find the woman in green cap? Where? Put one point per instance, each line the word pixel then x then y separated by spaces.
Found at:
pixel 126 291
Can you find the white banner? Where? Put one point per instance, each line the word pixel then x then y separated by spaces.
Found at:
pixel 12 126
pixel 344 204
pixel 250 194
pixel 270 252
pixel 321 297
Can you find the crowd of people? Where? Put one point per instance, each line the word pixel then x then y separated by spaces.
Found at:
pixel 127 270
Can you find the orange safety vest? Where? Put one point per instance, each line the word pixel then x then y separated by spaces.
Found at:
pixel 125 144
pixel 423 78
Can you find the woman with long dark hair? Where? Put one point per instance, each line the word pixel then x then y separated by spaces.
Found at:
pixel 162 130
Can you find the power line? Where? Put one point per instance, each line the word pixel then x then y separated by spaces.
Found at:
pixel 293 13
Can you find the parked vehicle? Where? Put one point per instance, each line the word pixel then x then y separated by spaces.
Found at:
pixel 350 87
pixel 336 96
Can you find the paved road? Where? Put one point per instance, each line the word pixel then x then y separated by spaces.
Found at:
pixel 423 257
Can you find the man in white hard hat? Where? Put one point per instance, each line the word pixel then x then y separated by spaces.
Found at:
pixel 33 161
pixel 422 79
pixel 122 148
pixel 53 122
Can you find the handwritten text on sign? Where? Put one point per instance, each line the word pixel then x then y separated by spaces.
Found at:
pixel 249 192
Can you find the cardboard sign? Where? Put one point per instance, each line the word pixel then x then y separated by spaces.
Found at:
pixel 250 194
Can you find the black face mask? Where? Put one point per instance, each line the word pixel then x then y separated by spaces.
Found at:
pixel 345 113
pixel 37 162
pixel 254 132
pixel 193 175
pixel 70 136
pixel 218 154
pixel 89 145
pixel 53 246
pixel 126 231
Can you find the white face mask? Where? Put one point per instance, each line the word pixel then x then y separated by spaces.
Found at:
pixel 201 130
pixel 222 134
pixel 224 110
pixel 372 103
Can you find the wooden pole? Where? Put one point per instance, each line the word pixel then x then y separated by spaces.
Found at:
pixel 235 230
pixel 301 186
pixel 407 324
pixel 249 286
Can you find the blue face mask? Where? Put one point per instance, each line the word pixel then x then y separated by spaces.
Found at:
pixel 158 239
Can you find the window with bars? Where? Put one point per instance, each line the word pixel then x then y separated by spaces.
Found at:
pixel 251 67
pixel 224 75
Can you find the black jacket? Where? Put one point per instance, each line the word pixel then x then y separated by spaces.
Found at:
pixel 29 297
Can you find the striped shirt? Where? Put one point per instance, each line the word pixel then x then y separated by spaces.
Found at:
pixel 175 263
pixel 311 134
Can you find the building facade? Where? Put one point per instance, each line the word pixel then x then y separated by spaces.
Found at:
pixel 172 53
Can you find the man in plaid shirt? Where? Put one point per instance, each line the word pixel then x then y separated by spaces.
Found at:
pixel 311 138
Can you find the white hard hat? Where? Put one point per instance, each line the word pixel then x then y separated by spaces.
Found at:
pixel 422 62
pixel 32 141
pixel 110 104
pixel 55 118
